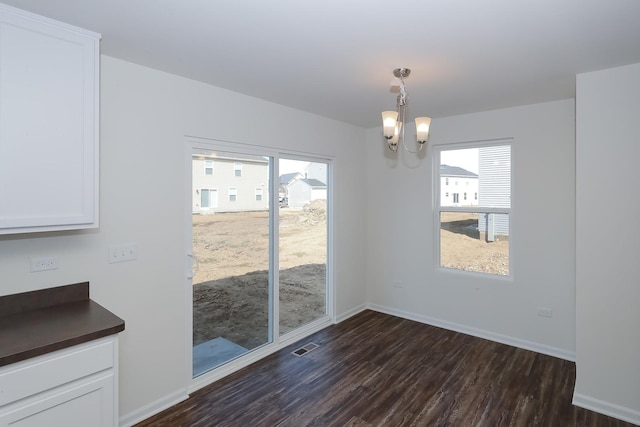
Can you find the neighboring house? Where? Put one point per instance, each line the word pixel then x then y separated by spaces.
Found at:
pixel 458 186
pixel 230 184
pixel 285 181
pixel 494 188
pixel 302 191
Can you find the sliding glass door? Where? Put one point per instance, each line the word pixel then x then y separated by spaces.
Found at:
pixel 258 235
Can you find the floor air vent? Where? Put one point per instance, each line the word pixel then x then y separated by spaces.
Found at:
pixel 305 349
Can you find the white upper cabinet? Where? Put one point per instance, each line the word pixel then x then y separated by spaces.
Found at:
pixel 49 87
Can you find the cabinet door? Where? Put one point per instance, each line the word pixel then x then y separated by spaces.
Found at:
pixel 48 124
pixel 84 403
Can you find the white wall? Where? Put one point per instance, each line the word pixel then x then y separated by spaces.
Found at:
pixel 400 232
pixel 145 115
pixel 607 241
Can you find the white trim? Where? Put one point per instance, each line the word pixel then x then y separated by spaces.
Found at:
pixel 606 408
pixel 152 408
pixel 350 313
pixel 480 333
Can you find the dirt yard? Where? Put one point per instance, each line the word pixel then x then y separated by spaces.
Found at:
pixel 463 247
pixel 230 294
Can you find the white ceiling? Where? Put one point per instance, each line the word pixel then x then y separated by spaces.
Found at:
pixel 335 57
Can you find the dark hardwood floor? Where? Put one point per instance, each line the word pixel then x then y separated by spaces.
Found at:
pixel 379 370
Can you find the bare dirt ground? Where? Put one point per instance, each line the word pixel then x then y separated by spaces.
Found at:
pixel 462 246
pixel 230 293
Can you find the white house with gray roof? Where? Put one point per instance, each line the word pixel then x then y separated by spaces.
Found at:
pixel 458 186
pixel 303 190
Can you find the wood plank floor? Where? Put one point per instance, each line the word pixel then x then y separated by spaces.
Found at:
pixel 379 370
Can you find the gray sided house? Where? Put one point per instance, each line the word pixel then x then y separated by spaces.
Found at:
pixel 494 188
pixel 222 184
pixel 302 191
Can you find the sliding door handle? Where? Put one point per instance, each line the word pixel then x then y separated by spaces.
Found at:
pixel 193 271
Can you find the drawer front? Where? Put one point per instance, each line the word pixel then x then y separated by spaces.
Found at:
pixel 42 373
pixel 85 403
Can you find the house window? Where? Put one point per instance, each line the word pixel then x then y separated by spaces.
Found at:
pixel 237 169
pixel 446 181
pixel 483 224
pixel 233 194
pixel 208 167
pixel 259 194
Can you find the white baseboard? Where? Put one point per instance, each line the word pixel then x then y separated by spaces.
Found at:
pixel 153 408
pixel 480 333
pixel 606 408
pixel 350 313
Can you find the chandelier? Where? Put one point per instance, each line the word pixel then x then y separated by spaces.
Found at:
pixel 393 121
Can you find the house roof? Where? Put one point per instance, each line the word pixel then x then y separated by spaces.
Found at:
pixel 288 177
pixel 446 170
pixel 314 183
pixel 466 56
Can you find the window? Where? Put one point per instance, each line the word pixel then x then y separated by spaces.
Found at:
pixel 446 181
pixel 233 194
pixel 208 167
pixel 237 169
pixel 258 194
pixel 474 234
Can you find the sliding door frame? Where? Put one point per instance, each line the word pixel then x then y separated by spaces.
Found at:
pixel 277 342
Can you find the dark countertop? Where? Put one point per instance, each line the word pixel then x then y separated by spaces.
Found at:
pixel 40 322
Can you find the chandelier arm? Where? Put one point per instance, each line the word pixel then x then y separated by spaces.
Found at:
pixel 412 152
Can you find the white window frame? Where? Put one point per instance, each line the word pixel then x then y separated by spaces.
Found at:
pixel 438 209
pixel 259 193
pixel 237 169
pixel 233 191
pixel 206 167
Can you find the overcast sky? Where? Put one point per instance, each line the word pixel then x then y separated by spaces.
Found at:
pixel 466 159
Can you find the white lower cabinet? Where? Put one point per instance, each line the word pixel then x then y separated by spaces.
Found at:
pixel 73 387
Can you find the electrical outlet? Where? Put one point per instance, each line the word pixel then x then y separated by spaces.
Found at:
pixel 44 264
pixel 122 253
pixel 545 312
